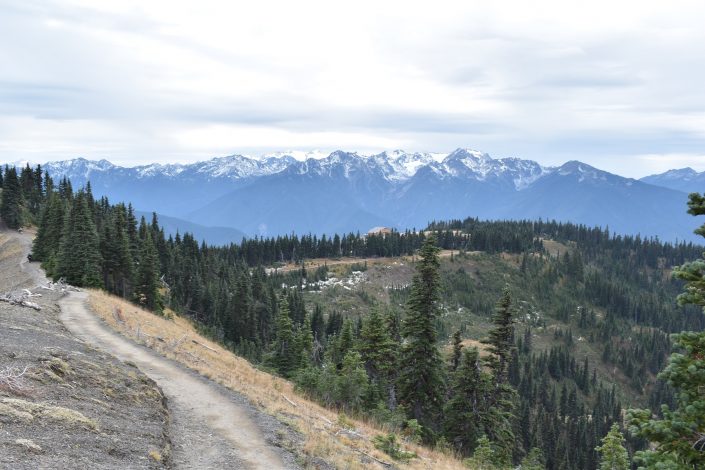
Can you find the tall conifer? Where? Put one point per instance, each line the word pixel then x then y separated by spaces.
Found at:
pixel 11 202
pixel 147 288
pixel 79 257
pixel 421 382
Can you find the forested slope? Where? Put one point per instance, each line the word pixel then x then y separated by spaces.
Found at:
pixel 576 319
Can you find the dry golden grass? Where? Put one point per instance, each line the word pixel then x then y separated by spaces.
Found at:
pixel 315 263
pixel 11 250
pixel 471 343
pixel 554 248
pixel 26 411
pixel 324 437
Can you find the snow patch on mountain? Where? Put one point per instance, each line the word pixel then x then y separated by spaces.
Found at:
pixel 399 165
pixel 395 166
pixel 79 167
pixel 685 174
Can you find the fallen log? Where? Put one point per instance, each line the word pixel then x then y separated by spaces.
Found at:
pixel 20 299
pixel 201 344
pixel 289 401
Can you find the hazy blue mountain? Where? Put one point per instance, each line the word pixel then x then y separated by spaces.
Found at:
pixel 343 191
pixel 212 235
pixel 319 196
pixel 173 189
pixel 685 179
pixel 576 191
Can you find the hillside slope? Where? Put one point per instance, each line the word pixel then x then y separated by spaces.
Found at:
pixel 328 438
pixel 74 406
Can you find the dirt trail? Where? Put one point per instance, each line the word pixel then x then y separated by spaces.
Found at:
pixel 191 398
pixel 209 429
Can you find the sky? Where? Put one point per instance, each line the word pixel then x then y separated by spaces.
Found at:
pixel 616 84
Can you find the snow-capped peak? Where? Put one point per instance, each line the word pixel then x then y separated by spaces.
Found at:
pixel 395 166
pixel 676 174
pixel 399 165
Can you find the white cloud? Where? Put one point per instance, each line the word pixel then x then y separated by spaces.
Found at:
pixel 604 82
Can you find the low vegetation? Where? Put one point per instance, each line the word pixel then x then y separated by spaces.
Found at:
pixel 346 443
pixel 28 411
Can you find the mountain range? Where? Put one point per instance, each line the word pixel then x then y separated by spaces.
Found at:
pixel 684 179
pixel 346 191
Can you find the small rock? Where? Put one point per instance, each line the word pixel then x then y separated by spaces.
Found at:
pixel 28 444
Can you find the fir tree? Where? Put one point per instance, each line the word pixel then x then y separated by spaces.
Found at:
pixel 11 203
pixel 533 460
pixel 457 350
pixel 124 264
pixel 501 337
pixel 304 344
pixel 485 457
pixel 613 454
pixel 379 354
pixel 318 324
pixel 679 437
pixel 466 411
pixel 79 253
pixel 343 343
pixel 421 384
pixel 283 357
pixel 49 232
pixel 500 414
pixel 352 382
pixel 147 288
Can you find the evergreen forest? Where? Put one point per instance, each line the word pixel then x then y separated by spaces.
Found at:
pixel 536 343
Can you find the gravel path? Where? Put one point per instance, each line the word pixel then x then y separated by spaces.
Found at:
pixel 212 431
pixel 210 427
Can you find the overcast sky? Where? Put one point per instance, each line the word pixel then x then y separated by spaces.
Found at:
pixel 619 85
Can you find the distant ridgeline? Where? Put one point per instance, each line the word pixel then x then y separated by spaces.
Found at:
pixel 560 398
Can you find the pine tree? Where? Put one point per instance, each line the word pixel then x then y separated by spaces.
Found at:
pixel 421 383
pixel 11 203
pixel 613 454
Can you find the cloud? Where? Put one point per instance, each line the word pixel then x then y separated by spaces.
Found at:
pixel 133 81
